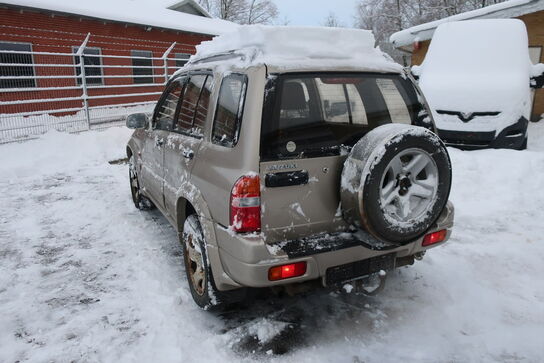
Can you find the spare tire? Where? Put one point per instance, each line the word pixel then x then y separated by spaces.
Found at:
pixel 395 182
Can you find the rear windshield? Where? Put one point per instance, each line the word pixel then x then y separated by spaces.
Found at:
pixel 311 115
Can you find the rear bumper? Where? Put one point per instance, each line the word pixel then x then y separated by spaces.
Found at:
pixel 512 137
pixel 247 259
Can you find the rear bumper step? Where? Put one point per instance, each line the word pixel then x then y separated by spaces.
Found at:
pixel 327 242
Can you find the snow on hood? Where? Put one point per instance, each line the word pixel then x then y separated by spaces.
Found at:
pixel 478 66
pixel 290 46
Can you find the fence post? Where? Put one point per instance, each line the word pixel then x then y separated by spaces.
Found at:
pixel 84 80
pixel 165 60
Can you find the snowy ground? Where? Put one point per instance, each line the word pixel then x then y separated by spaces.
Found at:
pixel 84 276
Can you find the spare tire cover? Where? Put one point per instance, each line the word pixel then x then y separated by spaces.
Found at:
pixel 395 182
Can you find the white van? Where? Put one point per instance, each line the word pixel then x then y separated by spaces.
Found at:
pixel 477 78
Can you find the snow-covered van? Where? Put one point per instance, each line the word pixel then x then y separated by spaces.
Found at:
pixel 284 162
pixel 477 77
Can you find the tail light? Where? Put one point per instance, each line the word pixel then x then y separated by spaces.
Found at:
pixel 245 204
pixel 435 237
pixel 286 271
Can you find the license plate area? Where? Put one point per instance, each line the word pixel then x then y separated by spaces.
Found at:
pixel 357 269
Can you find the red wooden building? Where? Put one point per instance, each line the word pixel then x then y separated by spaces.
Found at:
pixel 128 47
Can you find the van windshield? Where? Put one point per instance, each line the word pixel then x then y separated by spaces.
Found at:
pixel 310 115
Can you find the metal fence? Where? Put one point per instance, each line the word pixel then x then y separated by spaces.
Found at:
pixel 93 85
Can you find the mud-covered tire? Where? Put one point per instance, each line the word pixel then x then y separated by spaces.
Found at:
pixel 199 273
pixel 396 182
pixel 140 201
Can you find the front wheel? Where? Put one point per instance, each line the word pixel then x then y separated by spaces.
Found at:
pixel 198 271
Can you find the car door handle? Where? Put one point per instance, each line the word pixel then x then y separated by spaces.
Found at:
pixel 285 179
pixel 188 154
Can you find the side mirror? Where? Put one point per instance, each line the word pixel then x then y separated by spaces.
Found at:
pixel 137 121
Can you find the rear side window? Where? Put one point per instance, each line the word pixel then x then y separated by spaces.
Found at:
pixel 203 105
pixel 230 106
pixel 185 121
pixel 166 109
pixel 313 115
pixel 188 105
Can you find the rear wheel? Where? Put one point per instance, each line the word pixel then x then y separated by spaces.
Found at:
pixel 140 201
pixel 198 271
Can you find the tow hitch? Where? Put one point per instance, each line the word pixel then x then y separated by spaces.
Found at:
pixel 370 285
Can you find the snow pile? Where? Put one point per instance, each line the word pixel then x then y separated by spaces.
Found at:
pixel 59 152
pixel 300 46
pixel 478 66
pixel 86 277
pixel 265 330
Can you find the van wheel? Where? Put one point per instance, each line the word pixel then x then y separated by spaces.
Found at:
pixel 140 201
pixel 198 271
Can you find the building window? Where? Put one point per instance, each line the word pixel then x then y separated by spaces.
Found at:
pixel 182 59
pixel 20 69
pixel 142 64
pixel 93 66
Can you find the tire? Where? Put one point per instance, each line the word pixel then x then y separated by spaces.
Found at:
pixel 199 273
pixel 396 182
pixel 140 201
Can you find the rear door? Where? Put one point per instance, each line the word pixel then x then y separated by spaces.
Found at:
pixel 184 141
pixel 307 131
pixel 152 173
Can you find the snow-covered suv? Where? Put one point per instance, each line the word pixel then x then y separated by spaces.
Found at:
pixel 279 163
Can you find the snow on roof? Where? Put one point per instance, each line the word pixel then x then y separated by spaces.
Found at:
pixel 132 11
pixel 299 47
pixel 507 9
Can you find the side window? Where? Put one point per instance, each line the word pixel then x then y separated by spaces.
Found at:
pixel 202 107
pixel 187 111
pixel 166 109
pixel 230 106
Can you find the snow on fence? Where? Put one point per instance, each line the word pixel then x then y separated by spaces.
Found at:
pixel 88 87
